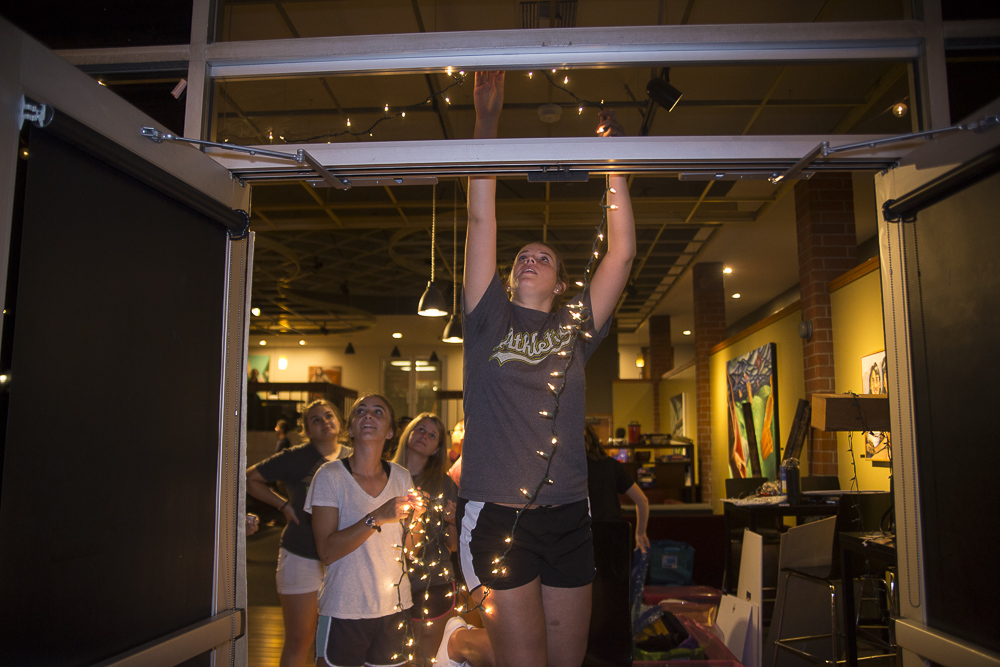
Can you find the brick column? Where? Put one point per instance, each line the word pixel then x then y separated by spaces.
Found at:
pixel 827 243
pixel 661 360
pixel 709 331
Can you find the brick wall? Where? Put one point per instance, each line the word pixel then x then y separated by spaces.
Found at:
pixel 709 330
pixel 827 245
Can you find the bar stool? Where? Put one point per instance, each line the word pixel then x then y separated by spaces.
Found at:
pixel 857 511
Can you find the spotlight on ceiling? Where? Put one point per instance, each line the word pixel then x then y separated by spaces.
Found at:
pixel 660 91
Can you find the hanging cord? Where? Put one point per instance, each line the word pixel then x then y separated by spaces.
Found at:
pixel 433 225
pixel 454 252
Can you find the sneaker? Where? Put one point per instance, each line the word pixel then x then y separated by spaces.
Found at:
pixel 441 659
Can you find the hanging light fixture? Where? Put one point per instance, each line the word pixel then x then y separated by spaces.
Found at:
pixel 395 352
pixel 434 357
pixel 453 330
pixel 432 303
pixel 349 349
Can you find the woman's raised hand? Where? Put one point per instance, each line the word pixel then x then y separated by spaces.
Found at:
pixel 607 124
pixel 488 95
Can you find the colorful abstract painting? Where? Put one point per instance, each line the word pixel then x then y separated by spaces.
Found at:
pixel 753 378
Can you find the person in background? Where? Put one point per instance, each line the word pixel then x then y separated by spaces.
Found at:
pixel 457 438
pixel 422 451
pixel 362 510
pixel 538 601
pixel 606 480
pixel 300 572
pixel 281 428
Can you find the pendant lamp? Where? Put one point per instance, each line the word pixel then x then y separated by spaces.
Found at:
pixel 432 303
pixel 453 330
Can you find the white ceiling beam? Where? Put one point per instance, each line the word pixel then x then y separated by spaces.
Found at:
pixel 570 47
pixel 624 154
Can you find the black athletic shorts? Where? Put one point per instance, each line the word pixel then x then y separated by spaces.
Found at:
pixel 366 641
pixel 553 543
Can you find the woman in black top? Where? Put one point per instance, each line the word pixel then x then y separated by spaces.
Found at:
pixel 300 572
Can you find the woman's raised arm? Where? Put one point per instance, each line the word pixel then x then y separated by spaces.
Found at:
pixel 612 273
pixel 481 240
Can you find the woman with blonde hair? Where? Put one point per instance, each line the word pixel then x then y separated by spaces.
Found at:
pixel 516 342
pixel 422 450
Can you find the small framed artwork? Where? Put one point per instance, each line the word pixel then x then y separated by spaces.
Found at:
pixel 677 407
pixel 875 380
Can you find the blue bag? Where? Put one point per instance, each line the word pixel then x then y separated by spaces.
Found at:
pixel 671 563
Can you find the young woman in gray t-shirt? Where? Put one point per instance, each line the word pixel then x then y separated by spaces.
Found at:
pixel 537 604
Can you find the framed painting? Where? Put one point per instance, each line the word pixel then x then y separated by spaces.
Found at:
pixel 874 380
pixel 753 379
pixel 320 374
pixel 678 404
pixel 258 367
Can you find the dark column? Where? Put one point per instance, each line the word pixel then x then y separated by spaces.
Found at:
pixel 661 359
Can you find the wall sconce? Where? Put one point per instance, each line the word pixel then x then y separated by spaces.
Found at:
pixel 640 361
pixel 432 303
pixel 805 329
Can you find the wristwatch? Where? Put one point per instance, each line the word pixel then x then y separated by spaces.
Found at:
pixel 370 522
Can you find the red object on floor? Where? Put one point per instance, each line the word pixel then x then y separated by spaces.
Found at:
pixel 652 595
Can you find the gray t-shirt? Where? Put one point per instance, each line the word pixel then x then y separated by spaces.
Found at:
pixel 510 352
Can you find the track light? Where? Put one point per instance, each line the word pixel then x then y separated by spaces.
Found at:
pixel 660 91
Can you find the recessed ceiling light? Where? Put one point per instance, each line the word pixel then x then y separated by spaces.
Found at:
pixel 736 296
pixel 397 335
pixel 727 270
pixel 255 311
pixel 686 332
pixel 302 342
pixel 263 342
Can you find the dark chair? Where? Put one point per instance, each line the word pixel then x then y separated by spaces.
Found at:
pixel 856 512
pixel 820 483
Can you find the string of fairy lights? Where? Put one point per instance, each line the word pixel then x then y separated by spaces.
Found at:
pixel 431 525
pixel 392 112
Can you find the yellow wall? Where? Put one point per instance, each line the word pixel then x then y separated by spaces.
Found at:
pixel 857 331
pixel 632 400
pixel 791 387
